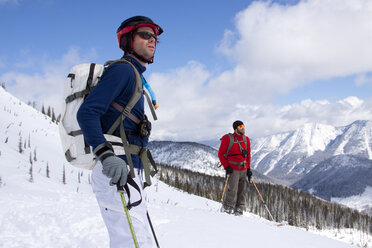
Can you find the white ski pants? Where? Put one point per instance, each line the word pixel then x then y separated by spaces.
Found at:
pixel 113 214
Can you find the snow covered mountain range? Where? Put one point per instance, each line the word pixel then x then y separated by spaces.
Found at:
pixel 291 155
pixel 45 202
pixel 329 162
pixel 294 158
pixel 338 176
pixel 186 155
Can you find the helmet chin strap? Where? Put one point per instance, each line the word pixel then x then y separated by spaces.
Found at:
pixel 143 59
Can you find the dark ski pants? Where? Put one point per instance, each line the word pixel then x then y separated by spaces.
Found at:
pixel 236 192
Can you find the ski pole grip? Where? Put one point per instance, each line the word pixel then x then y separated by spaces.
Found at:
pixel 119 188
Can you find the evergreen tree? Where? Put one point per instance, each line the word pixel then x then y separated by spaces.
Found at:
pixel 64 175
pixel 49 113
pixel 31 180
pixel 297 207
pixel 30 159
pixel 53 116
pixel 20 145
pixel 176 181
pixel 35 159
pixel 47 171
pixel 58 118
pixel 43 110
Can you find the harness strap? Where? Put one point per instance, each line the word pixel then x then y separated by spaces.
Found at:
pixel 240 146
pixel 147 160
pixel 232 155
pixel 128 153
pixel 233 141
pixel 119 108
pixel 237 163
pixel 131 149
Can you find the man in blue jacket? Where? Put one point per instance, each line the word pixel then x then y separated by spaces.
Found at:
pixel 137 37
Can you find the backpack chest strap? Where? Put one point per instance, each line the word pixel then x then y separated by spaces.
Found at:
pixel 126 113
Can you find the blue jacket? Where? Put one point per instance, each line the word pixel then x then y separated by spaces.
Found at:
pixel 96 115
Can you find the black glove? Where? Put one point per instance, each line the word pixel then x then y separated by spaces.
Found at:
pixel 112 166
pixel 249 175
pixel 229 170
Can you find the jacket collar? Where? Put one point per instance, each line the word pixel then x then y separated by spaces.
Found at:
pixel 141 69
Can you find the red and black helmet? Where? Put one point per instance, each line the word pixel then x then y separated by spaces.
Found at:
pixel 125 33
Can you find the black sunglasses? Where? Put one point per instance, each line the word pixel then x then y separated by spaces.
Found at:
pixel 147 36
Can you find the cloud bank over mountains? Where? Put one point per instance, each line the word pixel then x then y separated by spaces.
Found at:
pixel 274 50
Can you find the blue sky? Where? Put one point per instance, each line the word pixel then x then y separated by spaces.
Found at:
pixel 217 61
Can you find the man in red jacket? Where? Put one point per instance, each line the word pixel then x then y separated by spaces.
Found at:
pixel 235 156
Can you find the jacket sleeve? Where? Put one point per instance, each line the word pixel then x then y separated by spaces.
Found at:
pixel 222 150
pixel 113 81
pixel 249 153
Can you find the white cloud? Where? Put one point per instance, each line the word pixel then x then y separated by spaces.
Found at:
pixel 275 48
pixel 267 119
pixel 283 47
pixel 191 110
pixel 45 87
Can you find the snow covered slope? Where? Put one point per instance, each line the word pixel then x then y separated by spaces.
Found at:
pixel 41 211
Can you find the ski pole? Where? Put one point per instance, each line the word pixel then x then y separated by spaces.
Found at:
pixel 152 229
pixel 224 188
pixel 262 200
pixel 128 217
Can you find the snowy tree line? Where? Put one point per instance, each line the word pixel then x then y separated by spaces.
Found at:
pixel 295 207
pixel 48 111
pixel 24 145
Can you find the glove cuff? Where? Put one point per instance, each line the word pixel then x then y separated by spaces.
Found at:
pixel 104 151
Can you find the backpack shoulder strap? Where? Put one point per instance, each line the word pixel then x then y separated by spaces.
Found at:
pixel 138 91
pixel 126 112
pixel 245 141
pixel 231 142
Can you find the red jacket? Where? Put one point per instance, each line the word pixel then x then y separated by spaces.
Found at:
pixel 235 158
